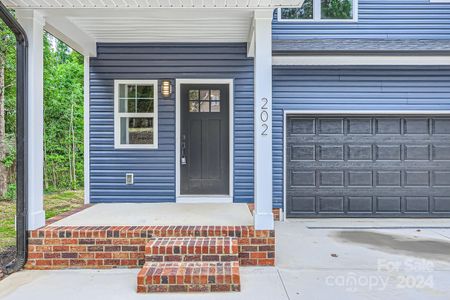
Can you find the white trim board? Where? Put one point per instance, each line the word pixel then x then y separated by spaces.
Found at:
pixel 342 112
pixel 87 173
pixel 361 60
pixel 204 198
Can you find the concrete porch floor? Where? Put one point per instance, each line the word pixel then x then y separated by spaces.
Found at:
pixel 160 214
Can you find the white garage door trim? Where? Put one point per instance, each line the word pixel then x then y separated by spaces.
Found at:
pixel 286 113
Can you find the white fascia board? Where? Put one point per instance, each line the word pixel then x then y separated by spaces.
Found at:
pixel 66 31
pixel 361 60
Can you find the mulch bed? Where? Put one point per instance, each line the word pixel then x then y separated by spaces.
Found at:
pixel 6 257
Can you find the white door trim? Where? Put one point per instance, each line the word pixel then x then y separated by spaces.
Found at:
pixel 343 112
pixel 204 198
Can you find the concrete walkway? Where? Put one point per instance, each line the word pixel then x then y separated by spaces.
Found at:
pixel 336 262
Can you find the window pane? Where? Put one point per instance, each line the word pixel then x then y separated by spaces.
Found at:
pixel 204 106
pixel 215 106
pixel 193 94
pixel 337 9
pixel 145 91
pixel 145 106
pixel 136 131
pixel 305 12
pixel 204 95
pixel 131 91
pixel 127 105
pixel 215 94
pixel 193 106
pixel 122 90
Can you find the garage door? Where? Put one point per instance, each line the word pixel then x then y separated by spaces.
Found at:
pixel 367 166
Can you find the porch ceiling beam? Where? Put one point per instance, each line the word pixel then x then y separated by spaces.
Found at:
pixel 66 31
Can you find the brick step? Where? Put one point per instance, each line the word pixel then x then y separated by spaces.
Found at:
pixel 166 277
pixel 168 249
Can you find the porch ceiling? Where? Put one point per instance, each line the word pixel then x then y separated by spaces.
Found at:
pixel 149 3
pixel 82 24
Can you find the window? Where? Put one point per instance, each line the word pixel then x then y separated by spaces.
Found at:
pixel 204 100
pixel 321 10
pixel 136 114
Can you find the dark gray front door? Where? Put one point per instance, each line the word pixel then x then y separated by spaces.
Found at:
pixel 368 166
pixel 204 139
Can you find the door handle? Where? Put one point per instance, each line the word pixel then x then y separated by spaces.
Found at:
pixel 183 150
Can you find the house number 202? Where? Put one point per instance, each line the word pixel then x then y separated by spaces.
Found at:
pixel 264 116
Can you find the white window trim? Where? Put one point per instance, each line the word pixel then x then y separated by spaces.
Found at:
pixel 118 115
pixel 317 12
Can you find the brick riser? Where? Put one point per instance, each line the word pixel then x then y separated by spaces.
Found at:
pixel 124 246
pixel 172 249
pixel 189 277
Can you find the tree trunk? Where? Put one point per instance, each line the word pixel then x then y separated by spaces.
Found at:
pixel 3 169
pixel 74 149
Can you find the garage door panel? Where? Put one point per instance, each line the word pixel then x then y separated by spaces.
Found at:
pixel 441 126
pixel 416 126
pixel 379 166
pixel 360 204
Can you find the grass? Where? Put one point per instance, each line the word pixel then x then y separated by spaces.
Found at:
pixel 54 204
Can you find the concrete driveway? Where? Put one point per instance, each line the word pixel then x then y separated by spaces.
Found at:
pixel 316 259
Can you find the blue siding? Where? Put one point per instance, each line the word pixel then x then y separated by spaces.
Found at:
pixel 155 169
pixel 376 88
pixel 378 19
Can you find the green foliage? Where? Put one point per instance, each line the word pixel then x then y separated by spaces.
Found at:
pixel 8 59
pixel 63 112
pixel 304 12
pixel 331 9
pixel 10 158
pixel 337 9
pixel 63 117
pixel 11 192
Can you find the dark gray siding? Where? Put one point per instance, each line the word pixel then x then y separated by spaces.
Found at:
pixel 155 169
pixel 377 88
pixel 378 19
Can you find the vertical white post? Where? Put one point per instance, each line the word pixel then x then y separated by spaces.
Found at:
pixel 86 132
pixel 263 119
pixel 33 23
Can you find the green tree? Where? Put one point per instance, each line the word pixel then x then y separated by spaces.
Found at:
pixel 7 106
pixel 304 12
pixel 337 9
pixel 63 116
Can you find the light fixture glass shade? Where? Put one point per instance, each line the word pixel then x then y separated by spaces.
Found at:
pixel 166 88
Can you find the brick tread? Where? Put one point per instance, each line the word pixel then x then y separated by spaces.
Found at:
pixel 189 277
pixel 192 249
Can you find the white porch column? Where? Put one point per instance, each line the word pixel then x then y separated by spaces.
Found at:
pixel 262 28
pixel 33 23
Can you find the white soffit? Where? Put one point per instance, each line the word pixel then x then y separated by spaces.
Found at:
pixel 150 3
pixel 83 23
